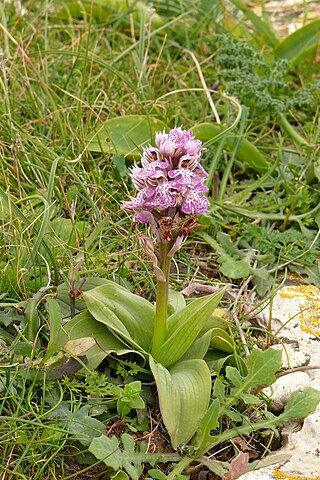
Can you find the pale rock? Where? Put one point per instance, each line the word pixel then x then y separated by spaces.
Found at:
pixel 296 323
pixel 257 475
pixel 292 357
pixel 281 390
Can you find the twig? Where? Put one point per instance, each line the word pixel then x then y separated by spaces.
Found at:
pixel 303 368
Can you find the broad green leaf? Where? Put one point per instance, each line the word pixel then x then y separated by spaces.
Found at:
pixel 184 396
pixel 230 265
pixel 299 43
pixel 246 151
pixel 63 294
pixel 107 449
pixel 221 340
pixel 232 268
pixel 83 427
pixel 300 404
pixel 55 323
pixel 199 347
pixel 84 325
pixel 125 135
pixel 126 314
pixel 130 398
pixel 176 301
pixel 62 232
pixel 262 367
pixel 184 327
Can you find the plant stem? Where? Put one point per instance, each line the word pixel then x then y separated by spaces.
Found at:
pixel 160 324
pixel 178 469
pixel 292 132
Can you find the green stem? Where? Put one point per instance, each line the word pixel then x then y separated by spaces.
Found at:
pixel 292 132
pixel 178 469
pixel 160 325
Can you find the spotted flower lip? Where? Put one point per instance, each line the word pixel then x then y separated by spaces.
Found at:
pixel 170 177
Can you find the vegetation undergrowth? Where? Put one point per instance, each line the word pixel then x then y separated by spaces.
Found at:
pixel 84 87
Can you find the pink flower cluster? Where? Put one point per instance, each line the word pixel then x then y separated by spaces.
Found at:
pixel 171 180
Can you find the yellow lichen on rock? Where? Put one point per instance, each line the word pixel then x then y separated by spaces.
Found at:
pixel 309 305
pixel 278 474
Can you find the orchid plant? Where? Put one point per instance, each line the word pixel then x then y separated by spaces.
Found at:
pixel 171 190
pixel 170 194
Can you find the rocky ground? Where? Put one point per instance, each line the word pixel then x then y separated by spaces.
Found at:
pixel 295 312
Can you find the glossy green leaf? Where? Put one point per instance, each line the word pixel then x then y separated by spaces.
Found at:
pixel 300 43
pixel 184 396
pixel 125 135
pixel 184 327
pixel 246 152
pixel 126 314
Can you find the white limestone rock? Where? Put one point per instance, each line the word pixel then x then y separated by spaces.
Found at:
pixel 292 357
pixel 257 475
pixel 296 323
pixel 281 390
